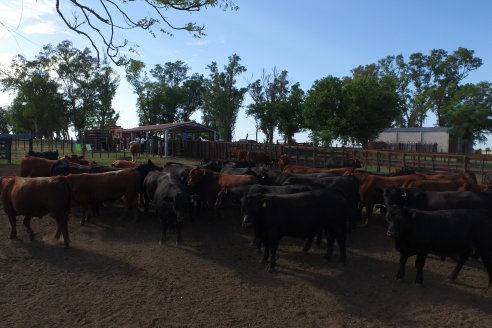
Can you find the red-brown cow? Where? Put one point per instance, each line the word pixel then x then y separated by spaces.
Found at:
pixel 285 166
pixel 258 157
pixel 88 189
pixel 241 154
pixel 77 159
pixel 124 164
pixel 36 197
pixel 32 166
pixel 207 183
pixel 371 187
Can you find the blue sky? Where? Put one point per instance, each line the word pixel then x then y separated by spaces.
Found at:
pixel 310 39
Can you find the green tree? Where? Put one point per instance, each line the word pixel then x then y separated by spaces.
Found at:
pixel 137 77
pixel 448 70
pixel 106 82
pixel 171 96
pixel 37 107
pixel 4 121
pixel 469 114
pixel 289 114
pixel 351 110
pixel 222 99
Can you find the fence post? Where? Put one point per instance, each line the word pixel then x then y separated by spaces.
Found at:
pixel 465 163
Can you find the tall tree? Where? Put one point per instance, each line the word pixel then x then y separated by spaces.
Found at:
pixel 289 114
pixel 222 98
pixel 351 110
pixel 99 21
pixel 137 77
pixel 447 73
pixel 469 114
pixel 106 82
pixel 4 122
pixel 37 107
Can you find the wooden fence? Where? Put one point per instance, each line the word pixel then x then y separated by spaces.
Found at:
pixel 371 160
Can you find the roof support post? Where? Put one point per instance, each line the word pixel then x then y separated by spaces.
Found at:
pixel 165 142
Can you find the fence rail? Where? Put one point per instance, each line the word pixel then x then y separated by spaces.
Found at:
pixel 372 160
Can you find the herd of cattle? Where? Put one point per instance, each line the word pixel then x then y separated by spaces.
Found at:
pixel 448 215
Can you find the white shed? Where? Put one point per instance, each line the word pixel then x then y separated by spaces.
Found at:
pixel 429 135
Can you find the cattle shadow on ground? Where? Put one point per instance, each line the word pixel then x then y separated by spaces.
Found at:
pixel 356 286
pixel 76 259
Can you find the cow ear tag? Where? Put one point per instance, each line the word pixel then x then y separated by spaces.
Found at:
pixel 404 194
pixel 264 204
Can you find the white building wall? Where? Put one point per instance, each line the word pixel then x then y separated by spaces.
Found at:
pixel 425 137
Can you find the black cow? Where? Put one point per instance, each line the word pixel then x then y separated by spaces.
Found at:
pixel 300 215
pixel 453 233
pixel 348 186
pixel 64 167
pixel 168 194
pixel 437 200
pixel 51 154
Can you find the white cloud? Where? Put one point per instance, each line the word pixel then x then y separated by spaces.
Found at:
pixel 39 28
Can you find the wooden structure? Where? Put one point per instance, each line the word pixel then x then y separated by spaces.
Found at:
pixel 6 148
pixel 168 135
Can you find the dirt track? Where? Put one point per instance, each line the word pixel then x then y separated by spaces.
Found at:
pixel 116 275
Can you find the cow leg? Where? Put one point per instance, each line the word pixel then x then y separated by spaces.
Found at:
pixel 487 262
pixel 273 245
pixel 179 229
pixel 62 226
pixel 307 245
pixel 163 228
pixel 330 240
pixel 27 224
pixel 401 269
pixel 341 240
pixel 85 214
pixel 266 254
pixel 459 264
pixel 419 265
pixel 13 227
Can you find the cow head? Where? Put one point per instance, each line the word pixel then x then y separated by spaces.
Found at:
pixel 396 217
pixel 394 196
pixel 197 176
pixel 251 208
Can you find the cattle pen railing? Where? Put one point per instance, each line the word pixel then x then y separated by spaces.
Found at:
pixel 372 160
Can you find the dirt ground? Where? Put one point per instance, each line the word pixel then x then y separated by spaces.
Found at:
pixel 115 274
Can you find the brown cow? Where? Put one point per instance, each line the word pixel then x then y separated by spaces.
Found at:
pixel 32 166
pixel 258 157
pixel 371 187
pixel 36 197
pixel 134 147
pixel 207 183
pixel 285 166
pixel 436 185
pixel 77 159
pixel 124 164
pixel 90 189
pixel 241 154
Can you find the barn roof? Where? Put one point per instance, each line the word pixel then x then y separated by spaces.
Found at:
pixel 418 129
pixel 190 126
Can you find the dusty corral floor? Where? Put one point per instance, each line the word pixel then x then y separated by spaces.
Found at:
pixel 116 275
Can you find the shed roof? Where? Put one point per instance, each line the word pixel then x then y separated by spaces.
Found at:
pixel 190 126
pixel 418 129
